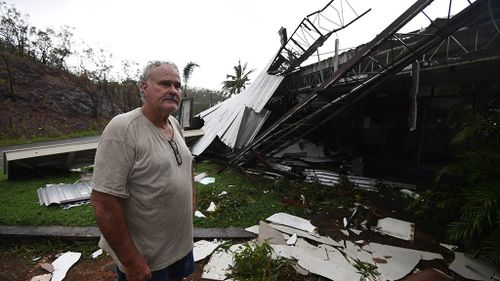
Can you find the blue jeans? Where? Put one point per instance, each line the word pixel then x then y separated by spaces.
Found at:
pixel 179 269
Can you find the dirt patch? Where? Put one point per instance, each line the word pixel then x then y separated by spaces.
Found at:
pixel 16 268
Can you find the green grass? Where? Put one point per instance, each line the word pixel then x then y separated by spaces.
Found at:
pixel 246 203
pixel 19 204
pixel 30 248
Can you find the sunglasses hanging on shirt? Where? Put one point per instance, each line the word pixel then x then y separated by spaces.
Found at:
pixel 178 157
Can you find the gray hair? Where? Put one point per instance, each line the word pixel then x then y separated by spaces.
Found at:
pixel 147 71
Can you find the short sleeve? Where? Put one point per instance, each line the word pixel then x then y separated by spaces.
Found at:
pixel 113 161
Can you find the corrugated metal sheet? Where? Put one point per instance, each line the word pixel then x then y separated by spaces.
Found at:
pixel 64 193
pixel 329 178
pixel 231 121
pixel 247 132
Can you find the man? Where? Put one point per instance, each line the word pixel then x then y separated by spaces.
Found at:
pixel 143 193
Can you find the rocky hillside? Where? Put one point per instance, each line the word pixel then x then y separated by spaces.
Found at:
pixel 45 101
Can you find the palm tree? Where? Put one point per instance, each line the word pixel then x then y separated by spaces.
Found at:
pixel 237 82
pixel 186 74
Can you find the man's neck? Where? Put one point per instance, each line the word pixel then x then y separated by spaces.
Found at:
pixel 157 118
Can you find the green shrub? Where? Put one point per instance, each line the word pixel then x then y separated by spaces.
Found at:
pixel 256 263
pixel 477 195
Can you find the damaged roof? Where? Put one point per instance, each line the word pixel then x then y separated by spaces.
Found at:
pixel 237 120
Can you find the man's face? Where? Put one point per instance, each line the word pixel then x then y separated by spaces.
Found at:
pixel 162 91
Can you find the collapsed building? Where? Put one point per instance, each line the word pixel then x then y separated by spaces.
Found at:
pixel 382 105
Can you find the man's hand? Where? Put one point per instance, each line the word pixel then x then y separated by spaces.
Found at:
pixel 113 225
pixel 138 270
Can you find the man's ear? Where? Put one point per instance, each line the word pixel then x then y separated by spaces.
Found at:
pixel 144 86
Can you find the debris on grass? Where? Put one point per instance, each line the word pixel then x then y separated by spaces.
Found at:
pixel 63 263
pixel 64 193
pixel 292 221
pixel 204 248
pixel 344 260
pixel 207 180
pixel 46 266
pixel 396 228
pixel 270 235
pixel 219 265
pixel 473 269
pixel 43 277
pixel 199 214
pixel 409 193
pixel 395 263
pixel 96 254
pixel 212 207
pixel 428 274
pixel 200 176
pixel 292 240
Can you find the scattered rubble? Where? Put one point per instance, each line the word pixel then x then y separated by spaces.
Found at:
pixel 43 277
pixel 63 263
pixel 199 214
pixel 96 254
pixel 290 237
pixel 212 207
pixel 293 221
pixel 204 248
pixel 396 228
pixel 219 264
pixel 474 269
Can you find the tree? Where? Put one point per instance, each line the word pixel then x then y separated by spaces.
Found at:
pixel 63 48
pixel 11 94
pixel 204 98
pixel 186 74
pixel 14 28
pixel 237 82
pixel 94 75
pixel 124 94
pixel 44 44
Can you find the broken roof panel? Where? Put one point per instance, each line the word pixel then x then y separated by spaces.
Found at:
pixel 64 193
pixel 396 228
pixel 335 268
pixel 203 249
pixel 220 263
pixel 248 132
pixel 473 269
pixel 395 263
pixel 226 119
pixel 292 221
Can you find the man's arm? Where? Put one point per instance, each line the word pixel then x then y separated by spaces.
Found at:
pixel 113 225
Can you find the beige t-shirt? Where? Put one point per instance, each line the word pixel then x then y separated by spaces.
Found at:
pixel 134 161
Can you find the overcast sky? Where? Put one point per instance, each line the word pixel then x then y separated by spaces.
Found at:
pixel 213 33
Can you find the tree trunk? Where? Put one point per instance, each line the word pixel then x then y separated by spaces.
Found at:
pixel 11 93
